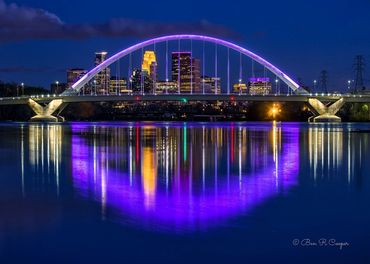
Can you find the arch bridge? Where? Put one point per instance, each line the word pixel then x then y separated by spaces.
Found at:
pixel 48 108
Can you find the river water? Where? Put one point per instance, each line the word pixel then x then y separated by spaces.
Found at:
pixel 157 192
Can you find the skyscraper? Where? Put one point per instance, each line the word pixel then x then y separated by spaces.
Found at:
pixel 103 77
pixel 186 72
pixel 140 82
pixel 149 70
pixel 148 59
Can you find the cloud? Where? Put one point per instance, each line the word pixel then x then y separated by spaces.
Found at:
pixel 26 23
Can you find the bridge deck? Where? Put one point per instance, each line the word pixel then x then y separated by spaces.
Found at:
pixel 185 97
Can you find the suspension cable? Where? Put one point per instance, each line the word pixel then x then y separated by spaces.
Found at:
pixel 228 70
pixel 191 66
pixel 216 69
pixel 240 73
pixel 203 67
pixel 166 66
pixel 178 68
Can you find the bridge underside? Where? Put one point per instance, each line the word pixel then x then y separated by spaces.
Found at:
pixel 46 113
pixel 325 113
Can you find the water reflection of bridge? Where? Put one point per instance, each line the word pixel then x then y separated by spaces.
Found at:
pixel 336 149
pixel 184 175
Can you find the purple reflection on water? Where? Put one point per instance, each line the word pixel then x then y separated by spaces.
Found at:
pixel 149 176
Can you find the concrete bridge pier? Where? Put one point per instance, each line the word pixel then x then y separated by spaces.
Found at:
pixel 325 113
pixel 46 113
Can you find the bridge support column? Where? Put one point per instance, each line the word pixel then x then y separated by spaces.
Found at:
pixel 325 113
pixel 46 113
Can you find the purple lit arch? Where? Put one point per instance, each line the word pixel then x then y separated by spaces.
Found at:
pixel 90 75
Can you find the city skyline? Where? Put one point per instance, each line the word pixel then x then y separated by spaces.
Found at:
pixel 186 77
pixel 304 57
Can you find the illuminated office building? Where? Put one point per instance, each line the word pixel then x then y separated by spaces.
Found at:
pixel 164 87
pixel 186 72
pixel 259 86
pixel 240 88
pixel 140 82
pixel 118 86
pixel 209 84
pixel 102 79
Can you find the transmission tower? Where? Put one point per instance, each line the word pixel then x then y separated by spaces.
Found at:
pixel 359 66
pixel 324 81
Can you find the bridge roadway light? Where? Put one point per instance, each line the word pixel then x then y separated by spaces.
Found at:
pixel 57 83
pixel 95 86
pixel 276 84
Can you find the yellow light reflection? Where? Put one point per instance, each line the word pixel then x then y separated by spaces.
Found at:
pixel 149 176
pixel 325 150
pixel 45 149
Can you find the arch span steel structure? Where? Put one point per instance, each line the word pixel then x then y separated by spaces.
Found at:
pixel 90 75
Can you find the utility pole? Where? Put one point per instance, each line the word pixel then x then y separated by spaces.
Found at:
pixel 324 81
pixel 359 67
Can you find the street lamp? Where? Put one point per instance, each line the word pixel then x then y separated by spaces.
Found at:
pixel 314 84
pixel 349 84
pixel 57 87
pixel 276 86
pixel 240 86
pixel 22 85
pixel 95 86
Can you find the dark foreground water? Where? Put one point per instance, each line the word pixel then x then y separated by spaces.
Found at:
pixel 184 193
